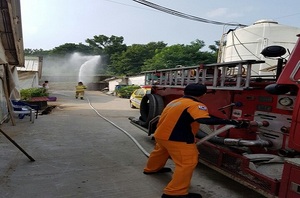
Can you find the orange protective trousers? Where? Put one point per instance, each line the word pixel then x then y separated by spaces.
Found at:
pixel 185 157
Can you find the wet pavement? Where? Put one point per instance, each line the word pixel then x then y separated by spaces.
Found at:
pixel 81 149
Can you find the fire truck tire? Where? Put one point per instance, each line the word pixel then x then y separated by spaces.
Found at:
pixel 151 106
pixel 160 104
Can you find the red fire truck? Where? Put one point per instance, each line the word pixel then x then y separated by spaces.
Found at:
pixel 266 155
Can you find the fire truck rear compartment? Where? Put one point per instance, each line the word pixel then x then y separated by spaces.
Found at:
pixel 261 157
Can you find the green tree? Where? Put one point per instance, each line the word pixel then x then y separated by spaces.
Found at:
pixel 130 62
pixel 35 52
pixel 107 47
pixel 216 49
pixel 69 48
pixel 104 45
pixel 120 59
pixel 185 55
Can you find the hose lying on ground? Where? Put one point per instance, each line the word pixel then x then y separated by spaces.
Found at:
pixel 125 132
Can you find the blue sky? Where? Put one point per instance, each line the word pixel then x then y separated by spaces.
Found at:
pixel 50 23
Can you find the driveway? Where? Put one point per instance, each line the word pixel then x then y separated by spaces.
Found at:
pixel 84 148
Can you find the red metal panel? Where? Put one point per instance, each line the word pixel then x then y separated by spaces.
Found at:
pixel 236 166
pixel 294 140
pixel 290 184
pixel 285 180
pixel 284 77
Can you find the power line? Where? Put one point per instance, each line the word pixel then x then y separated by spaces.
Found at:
pixel 294 14
pixel 124 4
pixel 183 15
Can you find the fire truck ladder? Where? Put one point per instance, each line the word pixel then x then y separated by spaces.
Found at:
pixel 234 75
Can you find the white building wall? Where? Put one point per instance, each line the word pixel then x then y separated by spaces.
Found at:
pixel 112 84
pixel 133 80
pixel 136 80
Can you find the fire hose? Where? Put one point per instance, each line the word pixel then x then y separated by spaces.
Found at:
pixel 124 131
pixel 237 142
pixel 201 141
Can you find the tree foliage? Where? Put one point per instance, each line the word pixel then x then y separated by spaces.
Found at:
pixel 103 45
pixel 131 61
pixel 69 48
pixel 184 55
pixel 35 52
pixel 120 59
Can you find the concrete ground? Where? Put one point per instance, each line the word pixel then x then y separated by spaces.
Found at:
pixel 80 153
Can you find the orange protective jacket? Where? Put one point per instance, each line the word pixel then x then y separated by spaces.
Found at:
pixel 179 124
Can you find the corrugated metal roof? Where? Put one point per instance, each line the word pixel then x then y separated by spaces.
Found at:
pixel 11 31
pixel 31 64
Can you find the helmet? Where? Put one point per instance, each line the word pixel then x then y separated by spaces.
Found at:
pixel 195 89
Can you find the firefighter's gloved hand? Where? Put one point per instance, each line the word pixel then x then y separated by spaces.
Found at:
pixel 241 124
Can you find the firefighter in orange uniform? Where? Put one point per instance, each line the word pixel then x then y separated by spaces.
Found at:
pixel 175 138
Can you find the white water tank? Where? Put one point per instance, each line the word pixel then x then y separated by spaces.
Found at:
pixel 248 42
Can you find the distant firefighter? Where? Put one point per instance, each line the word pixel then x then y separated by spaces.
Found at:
pixel 80 90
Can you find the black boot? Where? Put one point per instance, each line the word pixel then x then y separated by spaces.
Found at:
pixel 163 170
pixel 190 195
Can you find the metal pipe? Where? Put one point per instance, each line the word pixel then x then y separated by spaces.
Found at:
pixel 235 142
pixel 279 67
pixel 249 143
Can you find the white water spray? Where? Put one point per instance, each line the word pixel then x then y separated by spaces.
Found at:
pixel 65 72
pixel 89 69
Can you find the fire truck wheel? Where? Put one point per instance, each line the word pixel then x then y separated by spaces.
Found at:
pixel 160 104
pixel 151 106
